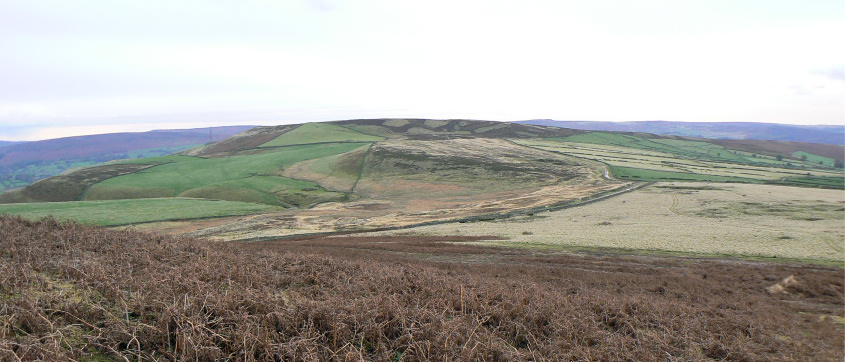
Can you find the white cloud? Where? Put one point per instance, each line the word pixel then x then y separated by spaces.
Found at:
pixel 501 60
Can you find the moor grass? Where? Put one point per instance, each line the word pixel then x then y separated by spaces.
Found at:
pixel 70 292
pixel 745 220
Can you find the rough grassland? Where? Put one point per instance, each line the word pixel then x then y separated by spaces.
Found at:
pixel 75 293
pixel 734 219
pixel 654 164
pixel 320 133
pixel 121 212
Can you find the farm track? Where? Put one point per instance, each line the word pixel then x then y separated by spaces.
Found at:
pixel 674 207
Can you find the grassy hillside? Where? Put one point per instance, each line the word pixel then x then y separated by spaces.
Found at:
pixel 319 133
pixel 359 174
pixel 248 178
pixel 24 163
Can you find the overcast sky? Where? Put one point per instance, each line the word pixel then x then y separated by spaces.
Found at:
pixel 81 66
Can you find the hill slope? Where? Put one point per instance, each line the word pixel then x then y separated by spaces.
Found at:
pixel 8 143
pixel 386 173
pixel 715 130
pixel 24 163
pixel 348 174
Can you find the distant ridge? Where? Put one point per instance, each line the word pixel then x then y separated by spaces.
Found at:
pixel 8 143
pixel 25 162
pixel 715 130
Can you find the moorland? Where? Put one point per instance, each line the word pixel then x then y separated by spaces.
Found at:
pixel 414 239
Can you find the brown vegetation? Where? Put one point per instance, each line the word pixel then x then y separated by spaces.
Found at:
pixel 246 140
pixel 70 291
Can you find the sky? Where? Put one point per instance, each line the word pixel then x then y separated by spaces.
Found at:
pixel 84 66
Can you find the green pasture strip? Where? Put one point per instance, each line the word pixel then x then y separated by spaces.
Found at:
pixel 655 175
pixel 815 159
pixel 122 212
pixel 248 178
pixel 178 177
pixel 814 181
pixel 320 133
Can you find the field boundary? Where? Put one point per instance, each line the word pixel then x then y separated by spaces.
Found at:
pixel 485 217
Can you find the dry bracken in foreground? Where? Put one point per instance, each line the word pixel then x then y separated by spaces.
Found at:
pixel 75 292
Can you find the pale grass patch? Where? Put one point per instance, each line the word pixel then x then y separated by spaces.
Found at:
pixel 660 218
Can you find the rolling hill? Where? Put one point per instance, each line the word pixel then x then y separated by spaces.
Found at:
pixel 24 163
pixel 714 130
pixel 8 143
pixel 387 173
pixel 406 239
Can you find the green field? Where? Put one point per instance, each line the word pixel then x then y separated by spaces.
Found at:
pixel 122 212
pixel 249 178
pixel 815 159
pixel 320 133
